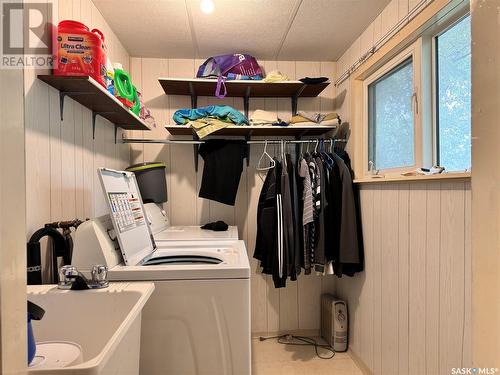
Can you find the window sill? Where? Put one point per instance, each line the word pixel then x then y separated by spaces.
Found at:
pixel 435 177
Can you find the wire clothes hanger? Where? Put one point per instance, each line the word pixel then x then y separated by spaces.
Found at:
pixel 283 154
pixel 269 157
pixel 328 160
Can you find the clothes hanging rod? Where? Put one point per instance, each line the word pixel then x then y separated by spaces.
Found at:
pixel 381 41
pixel 277 141
pixel 260 142
pixel 163 141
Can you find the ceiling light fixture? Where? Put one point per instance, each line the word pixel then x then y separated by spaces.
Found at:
pixel 207 6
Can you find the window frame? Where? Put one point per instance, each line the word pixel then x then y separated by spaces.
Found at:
pixel 434 83
pixel 425 103
pixel 414 51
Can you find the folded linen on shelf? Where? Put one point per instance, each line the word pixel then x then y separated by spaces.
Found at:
pixel 261 117
pixel 206 126
pixel 224 113
pixel 310 123
pixel 311 119
pixel 312 116
pixel 275 76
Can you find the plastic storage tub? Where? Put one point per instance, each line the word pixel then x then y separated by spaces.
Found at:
pixel 151 180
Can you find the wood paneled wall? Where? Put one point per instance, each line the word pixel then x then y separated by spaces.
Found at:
pixel 13 340
pixel 485 184
pixel 61 156
pixel 297 306
pixel 410 310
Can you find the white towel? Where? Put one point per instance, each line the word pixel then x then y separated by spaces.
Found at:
pixel 261 117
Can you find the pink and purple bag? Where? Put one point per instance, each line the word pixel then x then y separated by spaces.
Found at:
pixel 229 67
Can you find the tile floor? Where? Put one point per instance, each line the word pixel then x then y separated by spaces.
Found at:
pixel 271 358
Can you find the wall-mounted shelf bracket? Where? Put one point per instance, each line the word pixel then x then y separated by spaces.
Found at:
pixel 303 133
pixel 94 115
pixel 246 100
pixel 194 104
pixel 297 145
pixel 194 96
pixel 62 95
pixel 295 99
pixel 195 151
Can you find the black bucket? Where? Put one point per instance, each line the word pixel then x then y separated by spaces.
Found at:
pixel 151 180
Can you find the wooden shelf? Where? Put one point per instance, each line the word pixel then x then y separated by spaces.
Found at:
pixel 89 93
pixel 264 130
pixel 246 88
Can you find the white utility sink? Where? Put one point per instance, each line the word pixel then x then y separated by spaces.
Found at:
pixel 105 323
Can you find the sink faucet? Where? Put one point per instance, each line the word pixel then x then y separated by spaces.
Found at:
pixel 71 278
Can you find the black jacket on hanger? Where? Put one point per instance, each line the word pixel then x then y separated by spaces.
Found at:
pixel 350 253
pixel 269 244
pixel 297 247
pixel 288 224
pixel 320 253
pixel 283 242
pixel 350 268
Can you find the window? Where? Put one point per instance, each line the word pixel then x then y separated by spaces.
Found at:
pixel 417 105
pixel 453 96
pixel 390 119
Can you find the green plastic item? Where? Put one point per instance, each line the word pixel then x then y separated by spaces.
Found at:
pixel 145 166
pixel 123 85
pixel 136 108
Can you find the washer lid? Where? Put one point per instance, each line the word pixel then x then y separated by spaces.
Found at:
pixel 127 214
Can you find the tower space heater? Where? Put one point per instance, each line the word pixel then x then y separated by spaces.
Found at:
pixel 334 322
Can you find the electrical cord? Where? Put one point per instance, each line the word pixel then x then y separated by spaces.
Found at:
pixel 301 341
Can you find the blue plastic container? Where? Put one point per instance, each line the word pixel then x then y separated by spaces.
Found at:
pixel 31 341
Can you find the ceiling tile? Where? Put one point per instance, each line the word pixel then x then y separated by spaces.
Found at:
pixel 324 29
pixel 150 28
pixel 256 27
pixel 321 30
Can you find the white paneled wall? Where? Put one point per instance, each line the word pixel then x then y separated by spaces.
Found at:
pixel 293 308
pixel 410 310
pixel 61 156
pixel 12 224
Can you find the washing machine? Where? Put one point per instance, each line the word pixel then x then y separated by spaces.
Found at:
pixel 198 319
pixel 164 233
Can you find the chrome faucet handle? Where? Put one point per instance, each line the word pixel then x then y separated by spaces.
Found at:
pixel 71 278
pixel 66 276
pixel 99 276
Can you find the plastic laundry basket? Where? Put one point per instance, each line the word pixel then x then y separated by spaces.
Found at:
pixel 151 180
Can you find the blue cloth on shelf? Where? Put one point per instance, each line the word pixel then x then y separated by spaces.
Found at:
pixel 281 123
pixel 222 112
